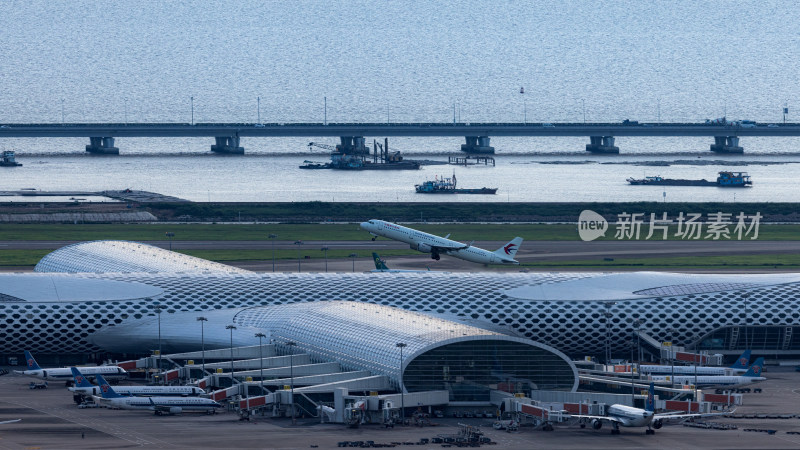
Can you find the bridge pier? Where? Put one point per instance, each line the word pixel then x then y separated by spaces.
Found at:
pixel 352 145
pixel 102 146
pixel 726 144
pixel 228 145
pixel 477 144
pixel 602 144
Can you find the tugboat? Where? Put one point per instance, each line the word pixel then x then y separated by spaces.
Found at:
pixel 734 179
pixel 9 160
pixel 448 186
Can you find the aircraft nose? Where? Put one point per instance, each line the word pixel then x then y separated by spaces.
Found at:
pixel 364 225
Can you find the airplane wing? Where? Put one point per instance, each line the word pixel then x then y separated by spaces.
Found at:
pixel 587 417
pixel 443 248
pixel 678 416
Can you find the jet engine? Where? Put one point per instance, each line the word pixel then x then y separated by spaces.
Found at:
pixel 657 424
pixel 421 247
pixel 597 424
pixel 175 410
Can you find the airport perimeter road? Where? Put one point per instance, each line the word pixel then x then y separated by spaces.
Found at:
pixel 51 421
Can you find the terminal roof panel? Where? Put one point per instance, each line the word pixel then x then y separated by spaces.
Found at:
pixel 40 288
pixel 630 286
pixel 124 256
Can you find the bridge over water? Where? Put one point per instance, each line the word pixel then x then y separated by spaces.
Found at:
pixel 477 135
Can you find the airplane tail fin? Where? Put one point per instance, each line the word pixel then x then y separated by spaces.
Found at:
pixel 32 364
pixel 756 369
pixel 741 362
pixel 509 250
pixel 105 389
pixel 650 403
pixel 379 263
pixel 80 380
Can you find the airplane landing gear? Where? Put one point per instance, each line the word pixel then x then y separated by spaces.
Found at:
pixel 373 238
pixel 435 256
pixel 649 431
pixel 615 428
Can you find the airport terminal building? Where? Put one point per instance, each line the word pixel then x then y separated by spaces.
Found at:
pixel 83 294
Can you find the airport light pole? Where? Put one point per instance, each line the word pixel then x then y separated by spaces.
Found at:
pixel 158 311
pixel 192 99
pixel 170 235
pixel 231 327
pixel 637 326
pixel 202 319
pixel 298 244
pixel 354 256
pixel 272 238
pixel 325 249
pixel 259 109
pixel 291 345
pixel 633 387
pixel 671 332
pixel 401 346
pixel 607 314
pixel 261 360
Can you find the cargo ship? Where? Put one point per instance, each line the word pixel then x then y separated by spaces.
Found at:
pixel 724 179
pixel 448 186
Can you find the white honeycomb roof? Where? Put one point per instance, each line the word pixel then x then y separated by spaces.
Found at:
pixel 124 256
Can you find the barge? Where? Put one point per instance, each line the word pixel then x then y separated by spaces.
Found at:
pixel 448 186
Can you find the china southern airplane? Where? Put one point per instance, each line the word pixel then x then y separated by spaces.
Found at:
pixel 753 375
pixel 628 416
pixel 740 366
pixel 436 245
pixel 159 405
pixel 65 373
pixel 82 386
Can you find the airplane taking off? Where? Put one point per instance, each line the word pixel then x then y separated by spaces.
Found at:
pixel 753 375
pixel 628 416
pixel 159 405
pixel 437 246
pixel 65 373
pixel 740 366
pixel 82 386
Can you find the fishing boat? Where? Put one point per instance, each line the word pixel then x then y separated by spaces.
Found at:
pixel 447 185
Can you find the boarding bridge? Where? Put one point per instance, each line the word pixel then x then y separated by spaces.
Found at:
pixel 665 351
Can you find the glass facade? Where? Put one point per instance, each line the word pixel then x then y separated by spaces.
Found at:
pixel 471 369
pixel 774 338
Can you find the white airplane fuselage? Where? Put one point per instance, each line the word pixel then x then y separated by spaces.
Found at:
pixel 429 243
pixel 630 416
pixel 65 374
pixel 151 403
pixel 184 391
pixel 721 381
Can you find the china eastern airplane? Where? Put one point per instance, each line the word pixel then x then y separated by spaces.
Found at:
pixel 753 375
pixel 160 405
pixel 437 246
pixel 628 416
pixel 740 366
pixel 82 386
pixel 65 373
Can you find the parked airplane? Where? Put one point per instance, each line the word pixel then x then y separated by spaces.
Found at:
pixel 380 266
pixel 65 373
pixel 436 245
pixel 753 375
pixel 160 405
pixel 740 366
pixel 628 416
pixel 83 386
